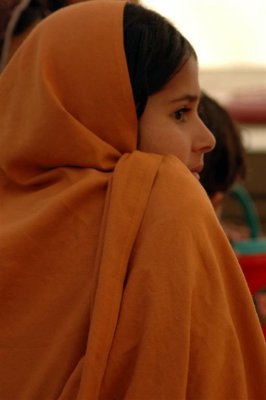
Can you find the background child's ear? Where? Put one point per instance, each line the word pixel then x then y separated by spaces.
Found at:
pixel 217 201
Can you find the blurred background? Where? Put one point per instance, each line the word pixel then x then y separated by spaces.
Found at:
pixel 230 39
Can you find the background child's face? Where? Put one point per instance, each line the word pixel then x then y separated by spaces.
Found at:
pixel 170 123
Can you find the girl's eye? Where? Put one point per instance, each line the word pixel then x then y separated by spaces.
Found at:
pixel 180 114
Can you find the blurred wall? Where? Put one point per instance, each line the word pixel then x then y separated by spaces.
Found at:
pixel 223 32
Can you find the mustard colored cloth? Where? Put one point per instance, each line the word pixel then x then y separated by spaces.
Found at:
pixel 116 280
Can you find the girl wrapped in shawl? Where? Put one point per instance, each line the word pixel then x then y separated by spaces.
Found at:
pixel 117 281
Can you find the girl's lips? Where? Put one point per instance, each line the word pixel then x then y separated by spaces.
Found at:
pixel 196 171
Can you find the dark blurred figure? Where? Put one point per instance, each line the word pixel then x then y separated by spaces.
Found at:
pixel 19 17
pixel 226 164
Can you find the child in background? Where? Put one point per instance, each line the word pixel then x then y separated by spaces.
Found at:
pixel 226 164
pixel 223 167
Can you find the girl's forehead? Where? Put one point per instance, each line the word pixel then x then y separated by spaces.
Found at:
pixel 184 84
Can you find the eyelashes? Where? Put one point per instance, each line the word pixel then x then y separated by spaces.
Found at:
pixel 180 115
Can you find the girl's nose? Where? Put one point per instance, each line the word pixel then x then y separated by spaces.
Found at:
pixel 205 140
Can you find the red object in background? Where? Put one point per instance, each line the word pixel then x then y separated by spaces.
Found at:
pixel 254 269
pixel 248 106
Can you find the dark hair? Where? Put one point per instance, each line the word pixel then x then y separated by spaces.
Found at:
pixel 155 51
pixel 226 162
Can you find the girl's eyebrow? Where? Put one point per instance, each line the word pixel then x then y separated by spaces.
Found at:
pixel 187 97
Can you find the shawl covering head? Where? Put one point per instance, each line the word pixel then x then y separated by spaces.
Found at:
pixel 113 285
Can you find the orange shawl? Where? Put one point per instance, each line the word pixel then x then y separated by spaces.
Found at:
pixel 116 281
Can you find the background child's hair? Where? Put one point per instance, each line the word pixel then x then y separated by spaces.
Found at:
pixel 226 162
